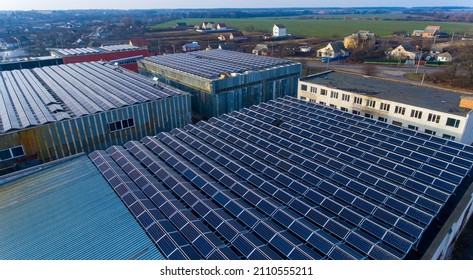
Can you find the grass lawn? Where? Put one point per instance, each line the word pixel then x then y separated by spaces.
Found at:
pixel 327 28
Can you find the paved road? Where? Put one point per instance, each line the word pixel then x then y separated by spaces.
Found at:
pixel 394 72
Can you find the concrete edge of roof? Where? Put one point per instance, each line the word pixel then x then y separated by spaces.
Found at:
pixel 443 234
pixel 34 169
pixel 388 80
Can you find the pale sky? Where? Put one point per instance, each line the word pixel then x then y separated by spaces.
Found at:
pixel 170 4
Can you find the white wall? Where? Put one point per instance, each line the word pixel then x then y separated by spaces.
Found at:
pixel 464 132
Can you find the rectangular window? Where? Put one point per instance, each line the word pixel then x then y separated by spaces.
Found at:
pixel 323 92
pixel 384 106
pixel 356 112
pixel 357 100
pixel 400 110
pixel 431 132
pixel 344 109
pixel 13 152
pixel 323 103
pixel 312 100
pixel 333 106
pixel 381 119
pixel 313 89
pixel 452 122
pixel 334 94
pixel 450 137
pixel 304 87
pixel 123 124
pixel 302 98
pixel 412 127
pixel 346 97
pixel 370 103
pixel 416 114
pixel 397 123
pixel 368 116
pixel 433 118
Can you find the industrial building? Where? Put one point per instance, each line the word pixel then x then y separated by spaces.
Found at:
pixel 57 111
pixel 287 179
pixel 223 81
pixel 124 55
pixel 435 111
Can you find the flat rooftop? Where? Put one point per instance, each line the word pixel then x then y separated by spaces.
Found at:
pixel 89 51
pixel 211 64
pixel 32 97
pixel 288 179
pixel 436 99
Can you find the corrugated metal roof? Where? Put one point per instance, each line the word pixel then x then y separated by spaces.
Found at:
pixel 80 89
pixel 68 211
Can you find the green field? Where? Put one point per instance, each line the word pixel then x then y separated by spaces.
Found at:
pixel 327 28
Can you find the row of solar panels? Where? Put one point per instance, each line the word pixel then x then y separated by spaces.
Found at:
pixel 248 60
pixel 24 101
pixel 249 229
pixel 210 64
pixel 92 87
pixel 312 194
pixel 77 51
pixel 200 67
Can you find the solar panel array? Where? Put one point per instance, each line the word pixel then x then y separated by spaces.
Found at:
pixel 286 179
pixel 211 64
pixel 88 51
pixel 42 95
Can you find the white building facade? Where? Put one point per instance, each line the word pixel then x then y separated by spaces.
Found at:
pixel 430 110
pixel 279 30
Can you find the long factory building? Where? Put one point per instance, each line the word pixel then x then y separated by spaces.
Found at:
pixel 57 111
pixel 223 81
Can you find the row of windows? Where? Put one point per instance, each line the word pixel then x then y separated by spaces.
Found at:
pixel 119 125
pixel 399 110
pixel 384 106
pixel 10 153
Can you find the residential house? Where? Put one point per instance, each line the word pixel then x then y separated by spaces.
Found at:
pixel 237 36
pixel 417 33
pixel 206 25
pixel 431 31
pixel 279 30
pixel 224 37
pixel 333 51
pixel 261 49
pixel 190 47
pixel 404 51
pixel 444 57
pixel 221 26
pixel 359 39
pixel 8 43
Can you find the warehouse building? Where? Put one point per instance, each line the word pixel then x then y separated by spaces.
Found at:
pixel 435 111
pixel 222 81
pixel 287 179
pixel 124 55
pixel 54 112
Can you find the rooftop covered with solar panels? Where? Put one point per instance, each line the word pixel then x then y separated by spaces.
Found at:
pixel 416 95
pixel 289 179
pixel 90 50
pixel 212 64
pixel 32 97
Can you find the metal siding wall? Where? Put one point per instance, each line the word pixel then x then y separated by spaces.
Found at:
pixel 89 133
